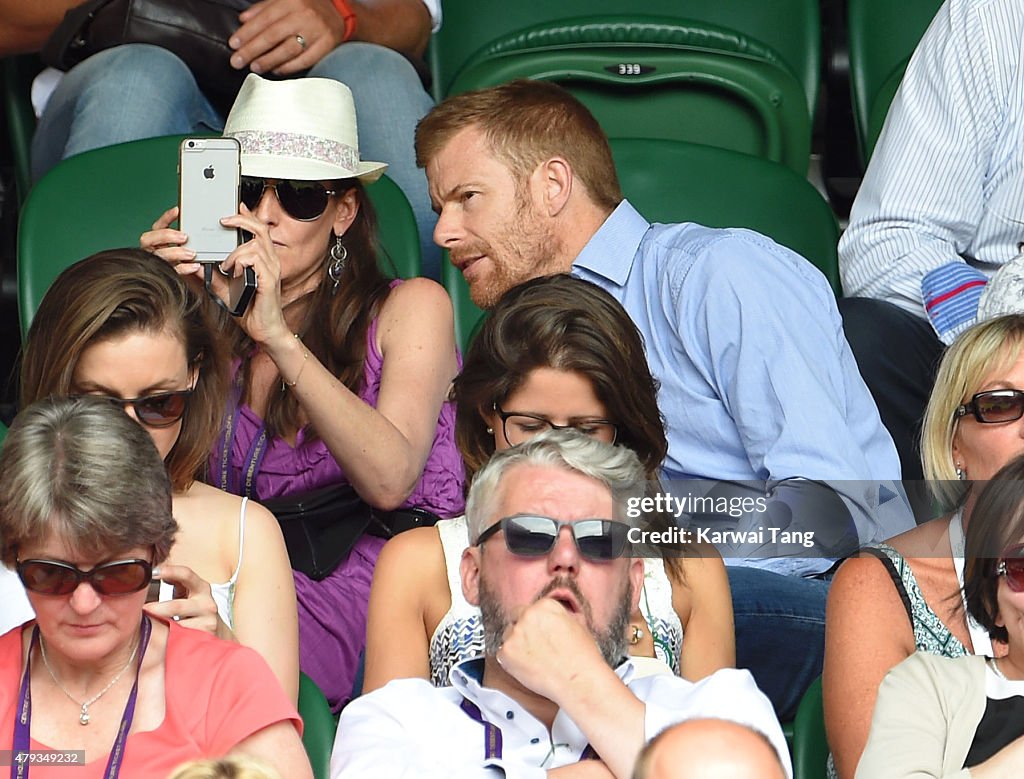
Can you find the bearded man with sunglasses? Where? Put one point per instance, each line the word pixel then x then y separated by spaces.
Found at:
pixel 554 693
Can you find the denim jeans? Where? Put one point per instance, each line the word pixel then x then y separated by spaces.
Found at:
pixel 780 632
pixel 141 91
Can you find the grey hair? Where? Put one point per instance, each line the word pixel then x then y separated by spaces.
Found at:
pixel 85 470
pixel 616 467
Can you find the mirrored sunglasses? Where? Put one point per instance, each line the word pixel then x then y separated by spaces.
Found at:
pixel 160 410
pixel 50 577
pixel 532 536
pixel 993 406
pixel 301 200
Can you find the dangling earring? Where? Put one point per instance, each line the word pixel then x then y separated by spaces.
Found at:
pixel 961 474
pixel 339 255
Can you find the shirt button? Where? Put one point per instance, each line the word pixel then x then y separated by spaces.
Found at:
pixel 509 715
pixel 534 740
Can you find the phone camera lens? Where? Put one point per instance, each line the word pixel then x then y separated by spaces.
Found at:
pixel 191 144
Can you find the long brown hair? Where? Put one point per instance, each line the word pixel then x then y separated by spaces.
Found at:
pixel 335 324
pixel 572 325
pixel 114 293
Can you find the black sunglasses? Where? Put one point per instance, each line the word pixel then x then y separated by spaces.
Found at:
pixel 49 577
pixel 160 410
pixel 993 406
pixel 527 535
pixel 301 200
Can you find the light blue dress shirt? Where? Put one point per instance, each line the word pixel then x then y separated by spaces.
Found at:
pixel 757 379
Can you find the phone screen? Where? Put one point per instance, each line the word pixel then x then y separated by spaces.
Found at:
pixel 209 179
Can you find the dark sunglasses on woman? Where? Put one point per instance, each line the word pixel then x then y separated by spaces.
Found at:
pixel 50 577
pixel 532 536
pixel 993 406
pixel 162 409
pixel 301 200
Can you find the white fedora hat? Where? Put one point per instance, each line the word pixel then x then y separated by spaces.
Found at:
pixel 300 128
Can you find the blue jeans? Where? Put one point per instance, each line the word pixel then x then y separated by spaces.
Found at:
pixel 780 632
pixel 141 91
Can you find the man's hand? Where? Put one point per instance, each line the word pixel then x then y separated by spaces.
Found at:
pixel 268 40
pixel 546 648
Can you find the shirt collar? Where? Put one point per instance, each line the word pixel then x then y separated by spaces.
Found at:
pixel 611 250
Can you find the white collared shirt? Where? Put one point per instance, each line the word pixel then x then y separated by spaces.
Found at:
pixel 409 728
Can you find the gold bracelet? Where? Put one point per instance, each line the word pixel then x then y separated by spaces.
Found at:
pixel 305 359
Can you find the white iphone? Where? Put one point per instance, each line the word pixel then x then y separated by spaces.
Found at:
pixel 209 176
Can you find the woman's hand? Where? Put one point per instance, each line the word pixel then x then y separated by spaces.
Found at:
pixel 193 605
pixel 168 244
pixel 264 319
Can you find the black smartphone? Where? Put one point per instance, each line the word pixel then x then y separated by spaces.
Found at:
pixel 241 290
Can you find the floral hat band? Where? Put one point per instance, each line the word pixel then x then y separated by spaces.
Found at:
pixel 301 128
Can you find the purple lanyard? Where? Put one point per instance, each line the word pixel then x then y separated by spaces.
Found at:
pixel 23 716
pixel 226 442
pixel 492 734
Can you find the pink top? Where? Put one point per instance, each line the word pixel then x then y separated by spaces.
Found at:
pixel 287 469
pixel 217 694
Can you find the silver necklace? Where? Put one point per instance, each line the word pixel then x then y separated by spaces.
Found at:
pixel 83 718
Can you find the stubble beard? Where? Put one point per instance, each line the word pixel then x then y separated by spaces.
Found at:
pixel 611 642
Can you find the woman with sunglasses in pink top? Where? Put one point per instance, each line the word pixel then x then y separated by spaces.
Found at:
pixel 905 595
pixel 964 716
pixel 123 326
pixel 341 375
pixel 96 685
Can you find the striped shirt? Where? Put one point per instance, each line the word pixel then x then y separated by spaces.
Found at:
pixel 942 203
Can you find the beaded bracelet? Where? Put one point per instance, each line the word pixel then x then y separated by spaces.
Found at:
pixel 348 15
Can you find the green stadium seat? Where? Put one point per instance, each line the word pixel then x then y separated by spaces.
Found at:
pixel 468 317
pixel 108 197
pixel 319 727
pixel 671 181
pixel 810 745
pixel 792 28
pixel 883 36
pixel 18 73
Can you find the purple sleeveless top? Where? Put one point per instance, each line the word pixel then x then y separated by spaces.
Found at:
pixel 287 470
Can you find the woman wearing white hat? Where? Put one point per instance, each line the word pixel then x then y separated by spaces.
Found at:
pixel 342 374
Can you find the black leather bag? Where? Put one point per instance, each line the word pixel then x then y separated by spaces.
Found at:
pixel 195 30
pixel 321 527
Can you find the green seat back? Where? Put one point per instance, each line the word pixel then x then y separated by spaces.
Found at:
pixel 18 73
pixel 319 727
pixel 883 34
pixel 3 433
pixel 671 181
pixel 792 28
pixel 468 317
pixel 660 77
pixel 810 745
pixel 108 197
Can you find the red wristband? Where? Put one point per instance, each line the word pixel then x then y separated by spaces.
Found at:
pixel 348 15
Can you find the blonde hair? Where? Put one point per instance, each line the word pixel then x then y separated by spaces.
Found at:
pixel 975 355
pixel 234 767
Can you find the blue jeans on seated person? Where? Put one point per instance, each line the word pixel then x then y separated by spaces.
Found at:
pixel 141 91
pixel 780 632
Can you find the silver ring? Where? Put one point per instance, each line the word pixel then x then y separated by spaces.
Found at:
pixel 301 41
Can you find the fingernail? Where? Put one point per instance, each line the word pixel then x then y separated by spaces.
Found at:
pixel 156 573
pixel 236 62
pixel 234 43
pixel 255 68
pixel 191 252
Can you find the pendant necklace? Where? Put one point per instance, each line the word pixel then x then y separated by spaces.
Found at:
pixel 83 718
